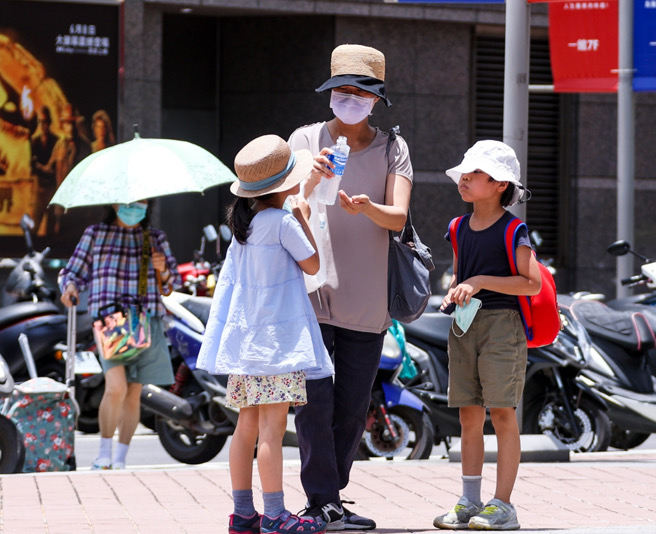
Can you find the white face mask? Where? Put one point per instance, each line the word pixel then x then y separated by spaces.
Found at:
pixel 351 109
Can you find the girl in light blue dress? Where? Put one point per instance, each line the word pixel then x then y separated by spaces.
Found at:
pixel 262 331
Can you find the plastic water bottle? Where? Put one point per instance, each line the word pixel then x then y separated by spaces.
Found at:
pixel 328 187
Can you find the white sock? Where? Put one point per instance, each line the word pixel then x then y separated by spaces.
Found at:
pixel 121 452
pixel 105 448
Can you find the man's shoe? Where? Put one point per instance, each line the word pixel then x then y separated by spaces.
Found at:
pixel 244 525
pixel 497 515
pixel 331 513
pixel 458 517
pixel 353 521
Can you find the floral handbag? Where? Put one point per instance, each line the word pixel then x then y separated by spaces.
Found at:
pixel 122 330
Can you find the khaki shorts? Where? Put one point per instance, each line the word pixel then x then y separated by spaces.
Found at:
pixel 487 365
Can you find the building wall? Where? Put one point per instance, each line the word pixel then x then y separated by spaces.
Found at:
pixel 271 56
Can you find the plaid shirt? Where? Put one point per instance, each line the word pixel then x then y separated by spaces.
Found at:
pixel 107 261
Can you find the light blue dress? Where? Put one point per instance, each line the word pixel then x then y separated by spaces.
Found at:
pixel 261 321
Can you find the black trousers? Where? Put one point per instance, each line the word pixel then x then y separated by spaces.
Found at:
pixel 329 427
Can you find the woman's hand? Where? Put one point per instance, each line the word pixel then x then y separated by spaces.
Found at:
pixel 159 261
pixel 355 204
pixel 70 292
pixel 322 167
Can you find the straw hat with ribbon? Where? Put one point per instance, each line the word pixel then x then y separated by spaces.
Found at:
pixel 268 165
pixel 359 66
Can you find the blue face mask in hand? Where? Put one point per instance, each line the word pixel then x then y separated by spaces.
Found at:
pixel 464 315
pixel 132 214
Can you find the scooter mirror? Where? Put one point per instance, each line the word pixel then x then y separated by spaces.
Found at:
pixel 26 222
pixel 226 234
pixel 210 233
pixel 619 248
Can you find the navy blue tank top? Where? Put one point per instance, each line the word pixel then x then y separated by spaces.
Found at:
pixel 484 253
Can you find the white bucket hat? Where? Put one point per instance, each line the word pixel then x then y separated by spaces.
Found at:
pixel 496 159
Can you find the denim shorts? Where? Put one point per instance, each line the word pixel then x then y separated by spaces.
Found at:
pixel 487 365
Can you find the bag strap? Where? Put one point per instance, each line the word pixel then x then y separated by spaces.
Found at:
pixel 510 237
pixel 145 260
pixel 454 231
pixel 391 137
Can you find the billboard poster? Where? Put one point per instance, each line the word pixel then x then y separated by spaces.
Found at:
pixel 59 65
pixel 583 41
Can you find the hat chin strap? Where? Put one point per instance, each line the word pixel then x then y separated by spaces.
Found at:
pixel 526 195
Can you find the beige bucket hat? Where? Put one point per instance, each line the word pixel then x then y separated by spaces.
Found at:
pixel 359 66
pixel 268 165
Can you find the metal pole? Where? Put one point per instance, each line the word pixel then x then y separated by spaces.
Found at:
pixel 515 97
pixel 625 143
pixel 515 90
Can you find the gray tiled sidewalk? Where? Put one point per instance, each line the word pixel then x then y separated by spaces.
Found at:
pixel 600 493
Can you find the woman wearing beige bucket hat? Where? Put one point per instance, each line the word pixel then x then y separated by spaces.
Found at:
pixel 261 331
pixel 351 305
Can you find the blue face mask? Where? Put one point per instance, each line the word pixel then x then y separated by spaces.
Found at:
pixel 464 315
pixel 132 214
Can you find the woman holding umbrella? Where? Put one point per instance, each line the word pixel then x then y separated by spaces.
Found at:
pixel 124 255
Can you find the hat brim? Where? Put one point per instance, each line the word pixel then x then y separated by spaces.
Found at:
pixel 295 176
pixel 366 83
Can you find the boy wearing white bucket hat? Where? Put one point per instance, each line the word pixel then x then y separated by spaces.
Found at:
pixel 487 346
pixel 351 306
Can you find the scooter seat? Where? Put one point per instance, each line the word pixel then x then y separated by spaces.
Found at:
pixel 199 306
pixel 630 330
pixel 432 327
pixel 20 311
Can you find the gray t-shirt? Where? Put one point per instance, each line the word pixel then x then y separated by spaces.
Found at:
pixel 354 295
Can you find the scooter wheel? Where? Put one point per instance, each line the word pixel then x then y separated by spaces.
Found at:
pixel 12 449
pixel 414 436
pixel 185 445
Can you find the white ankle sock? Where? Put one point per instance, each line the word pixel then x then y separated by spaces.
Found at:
pixel 105 448
pixel 121 453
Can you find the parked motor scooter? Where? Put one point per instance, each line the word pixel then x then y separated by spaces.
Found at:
pixel 554 403
pixel 12 448
pixel 26 281
pixel 199 275
pixel 30 309
pixel 644 303
pixel 618 368
pixel 398 422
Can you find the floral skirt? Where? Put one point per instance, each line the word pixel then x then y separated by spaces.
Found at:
pixel 248 390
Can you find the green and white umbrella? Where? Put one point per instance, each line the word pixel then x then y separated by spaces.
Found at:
pixel 141 169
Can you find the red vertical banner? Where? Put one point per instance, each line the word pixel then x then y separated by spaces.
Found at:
pixel 583 40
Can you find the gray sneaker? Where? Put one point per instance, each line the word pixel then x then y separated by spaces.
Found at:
pixel 458 517
pixel 497 515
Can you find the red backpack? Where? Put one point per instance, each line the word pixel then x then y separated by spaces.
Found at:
pixel 539 312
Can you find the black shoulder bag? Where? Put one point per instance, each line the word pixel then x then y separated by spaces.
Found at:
pixel 409 266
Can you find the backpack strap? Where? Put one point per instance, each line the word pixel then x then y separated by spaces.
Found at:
pixel 454 231
pixel 510 236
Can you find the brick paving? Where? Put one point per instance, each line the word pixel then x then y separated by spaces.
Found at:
pixel 594 493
